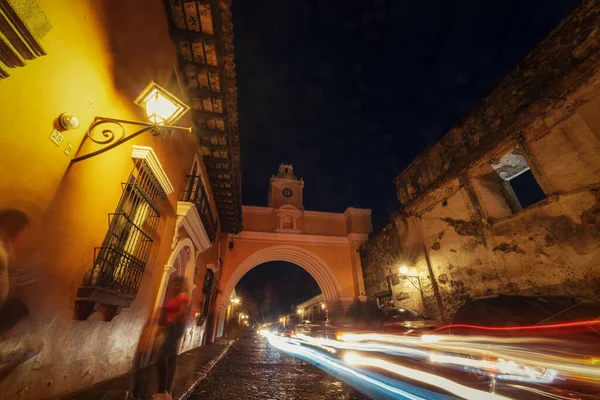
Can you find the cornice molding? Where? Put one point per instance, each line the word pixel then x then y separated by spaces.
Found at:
pixel 358 237
pixel 257 210
pixel 323 215
pixel 189 219
pixel 147 154
pixel 357 211
pixel 22 25
pixel 307 213
pixel 255 236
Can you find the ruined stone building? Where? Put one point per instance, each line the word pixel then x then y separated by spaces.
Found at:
pixel 507 201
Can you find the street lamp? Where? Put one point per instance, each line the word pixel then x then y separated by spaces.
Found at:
pixel 235 301
pixel 162 109
pixel 414 280
pixel 160 105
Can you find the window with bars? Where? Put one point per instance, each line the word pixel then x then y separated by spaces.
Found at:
pixel 195 192
pixel 121 260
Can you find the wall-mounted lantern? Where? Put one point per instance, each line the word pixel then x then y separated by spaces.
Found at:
pixel 161 107
pixel 414 280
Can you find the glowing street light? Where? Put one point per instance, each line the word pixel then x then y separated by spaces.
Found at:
pixel 160 105
pixel 162 110
pixel 414 280
pixel 235 301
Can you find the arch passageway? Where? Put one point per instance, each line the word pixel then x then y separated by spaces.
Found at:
pixel 324 244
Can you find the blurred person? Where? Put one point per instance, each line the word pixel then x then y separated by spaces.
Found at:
pixel 174 316
pixel 12 226
pixel 140 376
pixel 13 350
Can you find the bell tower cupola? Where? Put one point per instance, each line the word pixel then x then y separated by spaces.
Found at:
pixel 286 188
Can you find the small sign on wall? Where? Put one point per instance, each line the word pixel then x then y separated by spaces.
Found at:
pixel 56 137
pixel 402 296
pixel 69 149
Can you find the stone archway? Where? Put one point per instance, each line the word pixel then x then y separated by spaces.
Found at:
pixel 304 258
pixel 322 243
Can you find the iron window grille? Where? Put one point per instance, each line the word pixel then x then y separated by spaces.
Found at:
pixel 195 193
pixel 120 262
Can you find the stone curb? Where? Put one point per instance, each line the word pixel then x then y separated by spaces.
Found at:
pixel 204 371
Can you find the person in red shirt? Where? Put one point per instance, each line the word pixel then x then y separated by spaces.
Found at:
pixel 174 315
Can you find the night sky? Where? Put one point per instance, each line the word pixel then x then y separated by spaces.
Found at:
pixel 350 92
pixel 273 288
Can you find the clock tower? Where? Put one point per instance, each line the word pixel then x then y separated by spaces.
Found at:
pixel 285 188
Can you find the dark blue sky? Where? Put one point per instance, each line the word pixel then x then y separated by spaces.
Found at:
pixel 350 92
pixel 273 288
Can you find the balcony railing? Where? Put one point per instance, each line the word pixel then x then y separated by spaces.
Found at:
pixel 120 261
pixel 195 193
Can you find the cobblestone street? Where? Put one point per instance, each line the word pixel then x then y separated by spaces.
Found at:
pixel 254 370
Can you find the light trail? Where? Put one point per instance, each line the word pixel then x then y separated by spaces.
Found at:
pixel 297 349
pixel 424 377
pixel 533 360
pixel 590 323
pixel 518 350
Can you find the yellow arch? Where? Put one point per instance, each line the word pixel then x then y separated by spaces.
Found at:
pixel 304 258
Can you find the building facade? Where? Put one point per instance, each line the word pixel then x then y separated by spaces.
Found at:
pixel 107 233
pixel 313 310
pixel 507 201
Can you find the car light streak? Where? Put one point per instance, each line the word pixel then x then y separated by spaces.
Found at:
pixel 533 360
pixel 506 370
pixel 424 377
pixel 522 327
pixel 371 347
pixel 564 365
pixel 311 355
pixel 522 351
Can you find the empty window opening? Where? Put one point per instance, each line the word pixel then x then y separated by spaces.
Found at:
pixel 521 188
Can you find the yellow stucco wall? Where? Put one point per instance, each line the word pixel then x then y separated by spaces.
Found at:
pixel 101 54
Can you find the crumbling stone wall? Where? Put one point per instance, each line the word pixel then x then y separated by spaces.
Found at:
pixel 558 65
pixel 475 245
pixel 465 235
pixel 380 257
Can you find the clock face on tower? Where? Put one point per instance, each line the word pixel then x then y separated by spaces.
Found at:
pixel 287 193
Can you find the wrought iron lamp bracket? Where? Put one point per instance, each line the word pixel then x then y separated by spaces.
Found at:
pixel 415 281
pixel 110 133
